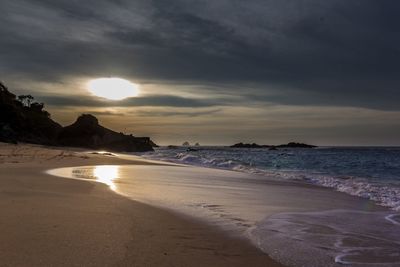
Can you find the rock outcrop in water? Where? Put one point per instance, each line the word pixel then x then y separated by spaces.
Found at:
pixel 296 145
pixel 272 147
pixel 24 120
pixel 253 145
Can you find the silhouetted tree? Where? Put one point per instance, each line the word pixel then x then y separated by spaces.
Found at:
pixel 26 100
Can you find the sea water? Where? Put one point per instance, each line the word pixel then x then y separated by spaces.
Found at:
pixel 271 198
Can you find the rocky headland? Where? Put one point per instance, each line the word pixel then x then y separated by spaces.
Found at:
pixel 24 120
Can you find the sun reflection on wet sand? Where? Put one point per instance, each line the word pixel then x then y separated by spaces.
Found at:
pixel 106 174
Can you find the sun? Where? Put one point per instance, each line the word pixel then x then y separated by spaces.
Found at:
pixel 113 88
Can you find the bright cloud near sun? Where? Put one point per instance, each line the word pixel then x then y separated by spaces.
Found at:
pixel 113 88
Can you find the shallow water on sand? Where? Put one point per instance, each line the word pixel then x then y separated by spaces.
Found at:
pixel 330 238
pixel 367 172
pixel 297 224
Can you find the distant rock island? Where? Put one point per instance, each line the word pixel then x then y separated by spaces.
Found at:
pixel 296 145
pixel 253 145
pixel 288 145
pixel 24 120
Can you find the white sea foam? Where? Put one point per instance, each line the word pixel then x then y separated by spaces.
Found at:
pixel 384 195
pixel 330 238
pixel 393 218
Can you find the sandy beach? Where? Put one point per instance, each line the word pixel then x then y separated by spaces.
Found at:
pixel 51 221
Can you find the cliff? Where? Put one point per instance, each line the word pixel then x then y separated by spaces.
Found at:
pixel 24 120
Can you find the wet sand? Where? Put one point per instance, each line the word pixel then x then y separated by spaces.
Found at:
pixel 50 221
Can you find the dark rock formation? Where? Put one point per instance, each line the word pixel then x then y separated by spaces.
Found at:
pixel 153 144
pixel 254 145
pixel 186 144
pixel 22 119
pixel 87 132
pixel 296 145
pixel 289 145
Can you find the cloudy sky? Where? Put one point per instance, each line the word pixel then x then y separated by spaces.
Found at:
pixel 214 71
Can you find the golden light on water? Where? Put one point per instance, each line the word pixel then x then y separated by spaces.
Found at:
pixel 113 88
pixel 106 174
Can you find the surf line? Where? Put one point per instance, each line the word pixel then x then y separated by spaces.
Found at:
pixel 390 219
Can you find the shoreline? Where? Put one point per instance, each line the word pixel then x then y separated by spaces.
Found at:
pixel 264 211
pixel 357 183
pixel 54 221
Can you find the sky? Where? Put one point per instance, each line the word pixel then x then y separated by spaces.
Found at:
pixel 214 71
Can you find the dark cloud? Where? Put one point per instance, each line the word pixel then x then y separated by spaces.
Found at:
pixel 151 101
pixel 153 113
pixel 105 113
pixel 361 98
pixel 137 37
pixel 338 52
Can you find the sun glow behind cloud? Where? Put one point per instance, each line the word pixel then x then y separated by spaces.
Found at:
pixel 113 88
